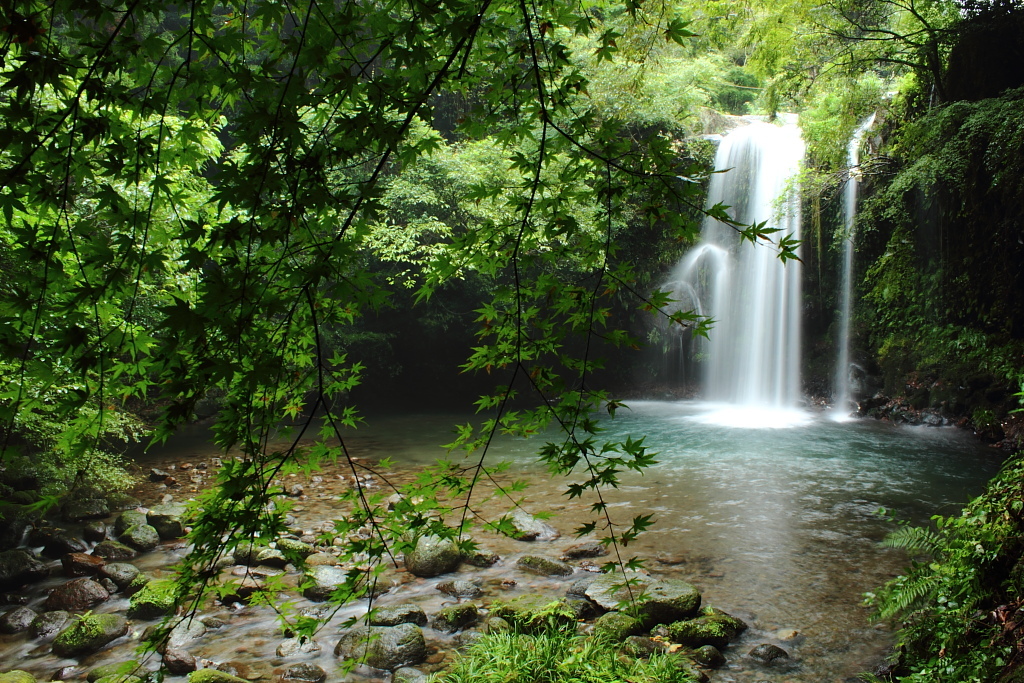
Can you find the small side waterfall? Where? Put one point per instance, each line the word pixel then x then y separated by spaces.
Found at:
pixel 752 357
pixel 842 399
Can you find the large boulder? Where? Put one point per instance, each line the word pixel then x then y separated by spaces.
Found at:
pixel 56 541
pixel 17 620
pixel 168 520
pixel 433 555
pixel 142 537
pixel 76 595
pixel 88 634
pixel 323 580
pixel 383 647
pixel 529 528
pixel 18 567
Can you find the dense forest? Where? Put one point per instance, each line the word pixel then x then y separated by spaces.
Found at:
pixel 282 216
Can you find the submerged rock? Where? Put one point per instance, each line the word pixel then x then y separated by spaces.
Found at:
pixel 586 549
pixel 433 555
pixel 767 653
pixel 383 647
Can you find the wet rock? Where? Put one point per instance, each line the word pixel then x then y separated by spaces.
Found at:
pixel 81 509
pixel 617 626
pixel 156 475
pixel 642 647
pixel 460 588
pixel 81 564
pixel 17 522
pixel 455 618
pixel 167 519
pixel 702 631
pixel 17 620
pixel 119 502
pixel 17 676
pixel 393 615
pixel 246 553
pixel 304 673
pixel 585 549
pixel 583 608
pixel 529 528
pixel 76 595
pixel 668 600
pixel 407 674
pixel 324 580
pixel 185 633
pixel 531 612
pixel 129 667
pixel 88 634
pixel 708 656
pixel 383 647
pixel 121 573
pixel 271 557
pixel 482 559
pixel 609 590
pixel 297 646
pixel 243 590
pixel 543 566
pixel 293 548
pixel 18 567
pixel 321 560
pixel 433 555
pixel 213 676
pixel 142 537
pixel 113 551
pixel 767 653
pixel 109 585
pixel 496 625
pixel 56 541
pixel 49 624
pixel 128 519
pixel 579 587
pixel 155 599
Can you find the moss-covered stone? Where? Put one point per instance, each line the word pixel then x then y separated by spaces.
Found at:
pixel 17 676
pixel 120 678
pixel 116 669
pixel 89 633
pixel 455 618
pixel 213 676
pixel 156 599
pixel 543 566
pixel 530 612
pixel 128 519
pixel 702 631
pixel 617 626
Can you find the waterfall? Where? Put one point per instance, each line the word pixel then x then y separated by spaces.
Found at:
pixel 841 393
pixel 752 356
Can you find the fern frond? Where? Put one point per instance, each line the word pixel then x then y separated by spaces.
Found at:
pixel 914 539
pixel 906 594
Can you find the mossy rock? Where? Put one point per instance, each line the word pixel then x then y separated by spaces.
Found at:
pixel 455 618
pixel 120 678
pixel 543 566
pixel 213 676
pixel 17 676
pixel 383 647
pixel 393 615
pixel 295 548
pixel 531 612
pixel 88 634
pixel 617 626
pixel 142 537
pixel 128 519
pixel 116 669
pixel 702 631
pixel 736 624
pixel 156 599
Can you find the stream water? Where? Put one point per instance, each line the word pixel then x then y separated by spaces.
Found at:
pixel 775 525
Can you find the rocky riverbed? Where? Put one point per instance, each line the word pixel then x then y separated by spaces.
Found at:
pixel 83 586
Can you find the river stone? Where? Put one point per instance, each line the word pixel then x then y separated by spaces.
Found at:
pixel 701 631
pixel 668 600
pixel 529 528
pixel 94 531
pixel 482 558
pixel 18 567
pixel 642 647
pixel 407 674
pixel 129 667
pixel 579 587
pixel 246 551
pixel 142 537
pixel 128 519
pixel 113 551
pixel 455 618
pixel 585 549
pixel 119 501
pixel 295 548
pixel 496 625
pixel 179 662
pixel 49 624
pixel 88 634
pixel 325 579
pixel 533 611
pixel 17 522
pixel 17 676
pixel 460 588
pixel 708 656
pixel 167 520
pixel 543 566
pixel 297 646
pixel 17 620
pixel 617 626
pixel 121 573
pixel 603 591
pixel 81 509
pixel 304 672
pixel 81 564
pixel 271 557
pixel 383 647
pixel 155 599
pixel 57 542
pixel 185 633
pixel 213 676
pixel 76 595
pixel 432 556
pixel 393 615
pixel 321 560
pixel 766 653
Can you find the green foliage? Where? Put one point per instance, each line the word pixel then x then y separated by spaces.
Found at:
pixel 556 656
pixel 948 604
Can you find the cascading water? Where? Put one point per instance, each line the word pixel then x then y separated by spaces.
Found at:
pixel 752 356
pixel 841 393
